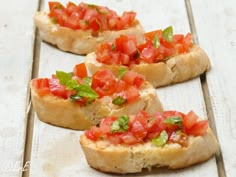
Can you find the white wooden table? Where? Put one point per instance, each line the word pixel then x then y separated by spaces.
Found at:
pixel 32 148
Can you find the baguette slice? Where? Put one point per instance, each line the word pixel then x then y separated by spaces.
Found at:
pixel 64 113
pixel 176 69
pixel 123 159
pixel 79 41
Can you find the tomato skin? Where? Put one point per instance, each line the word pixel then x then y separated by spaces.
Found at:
pixel 128 138
pixel 131 94
pixel 199 128
pixel 41 85
pixel 104 82
pixel 57 89
pixel 190 120
pixel 80 70
pixel 133 78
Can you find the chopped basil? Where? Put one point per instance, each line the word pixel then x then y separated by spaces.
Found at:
pixel 161 139
pixel 119 101
pixel 122 71
pixel 175 120
pixel 113 46
pixel 167 34
pixel 156 41
pixel 120 125
pixel 87 81
pixel 63 77
pixel 86 91
pixel 82 90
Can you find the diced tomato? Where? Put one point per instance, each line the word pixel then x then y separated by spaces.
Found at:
pixel 131 94
pixel 199 129
pixel 57 89
pixel 138 130
pixel 85 16
pixel 55 5
pixel 42 86
pixel 105 124
pixel 167 114
pixel 121 86
pixel 190 120
pixel 114 138
pixel 150 35
pixel 80 70
pixel 104 82
pixel 129 138
pixel 94 133
pixel 133 78
pixel 148 54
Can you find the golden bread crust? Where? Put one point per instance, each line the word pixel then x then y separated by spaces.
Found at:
pixel 65 113
pixel 123 159
pixel 78 41
pixel 177 69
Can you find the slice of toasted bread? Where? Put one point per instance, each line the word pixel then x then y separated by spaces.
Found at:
pixel 79 41
pixel 65 113
pixel 107 157
pixel 176 69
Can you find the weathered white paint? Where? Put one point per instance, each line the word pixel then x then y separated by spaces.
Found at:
pixel 16 55
pixel 216 28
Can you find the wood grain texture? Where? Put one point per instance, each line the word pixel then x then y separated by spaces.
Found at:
pixel 56 151
pixel 16 56
pixel 216 27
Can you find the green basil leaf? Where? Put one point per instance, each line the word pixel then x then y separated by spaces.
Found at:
pixel 87 81
pixel 63 77
pixel 175 120
pixel 119 101
pixel 120 125
pixel 161 139
pixel 167 34
pixel 156 41
pixel 86 91
pixel 122 71
pixel 72 85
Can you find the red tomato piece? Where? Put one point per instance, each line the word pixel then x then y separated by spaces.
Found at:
pixel 104 82
pixel 41 85
pixel 57 89
pixel 133 78
pixel 199 129
pixel 150 35
pixel 114 138
pixel 128 138
pixel 105 124
pixel 131 94
pixel 55 5
pixel 190 120
pixel 94 133
pixel 80 70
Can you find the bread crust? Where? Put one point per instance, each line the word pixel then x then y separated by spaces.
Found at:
pixel 123 159
pixel 176 69
pixel 79 41
pixel 65 113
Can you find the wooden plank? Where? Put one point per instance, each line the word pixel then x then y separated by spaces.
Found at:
pixel 16 56
pixel 56 151
pixel 216 27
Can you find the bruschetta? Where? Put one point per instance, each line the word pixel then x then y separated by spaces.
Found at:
pixel 131 143
pixel 163 58
pixel 76 101
pixel 79 28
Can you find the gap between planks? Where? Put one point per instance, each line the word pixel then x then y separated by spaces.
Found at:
pixel 30 112
pixel 205 90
